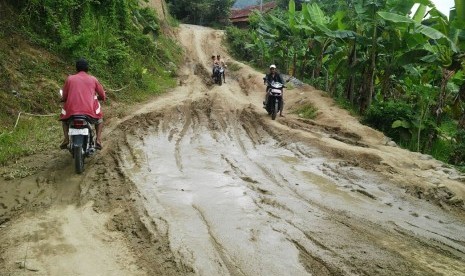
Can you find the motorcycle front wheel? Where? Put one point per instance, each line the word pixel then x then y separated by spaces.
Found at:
pixel 275 110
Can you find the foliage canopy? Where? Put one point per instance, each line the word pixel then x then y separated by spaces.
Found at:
pixel 41 40
pixel 402 70
pixel 201 12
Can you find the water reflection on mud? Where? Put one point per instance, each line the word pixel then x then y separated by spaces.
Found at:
pixel 234 200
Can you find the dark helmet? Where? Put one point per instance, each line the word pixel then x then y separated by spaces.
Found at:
pixel 82 65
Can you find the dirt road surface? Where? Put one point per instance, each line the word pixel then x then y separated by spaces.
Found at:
pixel 201 181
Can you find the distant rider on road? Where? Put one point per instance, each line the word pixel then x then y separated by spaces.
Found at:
pixel 273 76
pixel 214 63
pixel 223 65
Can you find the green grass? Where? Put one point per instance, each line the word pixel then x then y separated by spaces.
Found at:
pixel 32 135
pixel 307 111
pixel 36 134
pixel 133 67
pixel 448 127
pixel 442 150
pixel 173 22
pixel 345 104
pixel 289 85
pixel 234 66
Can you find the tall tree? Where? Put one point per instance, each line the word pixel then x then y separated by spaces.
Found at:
pixel 201 12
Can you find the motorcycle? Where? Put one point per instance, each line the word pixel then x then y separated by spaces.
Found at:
pixel 81 139
pixel 218 72
pixel 275 98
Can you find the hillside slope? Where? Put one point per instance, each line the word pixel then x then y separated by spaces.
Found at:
pixel 29 73
pixel 134 61
pixel 160 7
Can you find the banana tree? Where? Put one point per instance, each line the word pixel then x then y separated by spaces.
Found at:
pixel 400 47
pixel 443 49
pixel 259 47
pixel 276 35
pixel 322 33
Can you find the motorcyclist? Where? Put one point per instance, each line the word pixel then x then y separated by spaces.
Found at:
pixel 273 76
pixel 81 95
pixel 223 65
pixel 214 64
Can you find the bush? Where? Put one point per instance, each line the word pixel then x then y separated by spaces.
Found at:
pixel 120 39
pixel 237 39
pixel 307 111
pixel 457 156
pixel 114 35
pixel 381 115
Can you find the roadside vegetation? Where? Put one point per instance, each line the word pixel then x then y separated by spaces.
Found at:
pixel 201 12
pixel 123 41
pixel 307 111
pixel 401 71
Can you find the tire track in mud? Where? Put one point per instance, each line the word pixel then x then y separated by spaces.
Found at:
pixel 147 233
pixel 242 159
pixel 182 134
pixel 312 264
pixel 233 268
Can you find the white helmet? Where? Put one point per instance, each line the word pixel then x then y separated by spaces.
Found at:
pixel 272 66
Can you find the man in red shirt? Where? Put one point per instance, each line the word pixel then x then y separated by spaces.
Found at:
pixel 81 95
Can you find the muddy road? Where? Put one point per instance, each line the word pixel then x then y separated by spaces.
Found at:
pixel 201 182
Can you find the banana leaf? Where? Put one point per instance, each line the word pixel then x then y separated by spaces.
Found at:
pixel 315 14
pixel 420 13
pixel 401 123
pixel 412 57
pixel 395 18
pixel 460 10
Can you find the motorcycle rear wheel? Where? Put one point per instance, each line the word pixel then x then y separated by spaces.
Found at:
pixel 78 159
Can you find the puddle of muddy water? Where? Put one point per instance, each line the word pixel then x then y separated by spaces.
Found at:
pixel 235 204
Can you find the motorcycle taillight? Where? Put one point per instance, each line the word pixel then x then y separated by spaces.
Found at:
pixel 79 123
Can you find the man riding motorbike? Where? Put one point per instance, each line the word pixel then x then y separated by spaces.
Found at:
pixel 214 63
pixel 81 95
pixel 223 65
pixel 273 76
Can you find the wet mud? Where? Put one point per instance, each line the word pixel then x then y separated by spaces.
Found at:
pixel 200 181
pixel 238 197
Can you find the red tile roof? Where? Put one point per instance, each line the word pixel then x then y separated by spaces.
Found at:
pixel 243 15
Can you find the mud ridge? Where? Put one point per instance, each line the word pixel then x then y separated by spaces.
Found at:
pixel 314 265
pixel 153 246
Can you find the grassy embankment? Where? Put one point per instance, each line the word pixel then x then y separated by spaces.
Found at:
pixel 34 66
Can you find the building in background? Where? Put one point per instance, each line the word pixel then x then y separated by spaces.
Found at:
pixel 240 17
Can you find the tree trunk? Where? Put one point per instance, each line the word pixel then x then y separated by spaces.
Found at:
pixel 333 85
pixel 386 84
pixel 368 86
pixel 446 76
pixel 303 64
pixel 319 61
pixel 461 98
pixel 458 156
pixel 294 64
pixel 350 83
pixel 363 101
